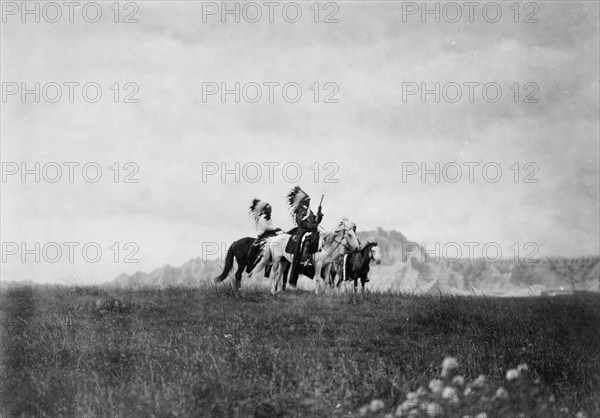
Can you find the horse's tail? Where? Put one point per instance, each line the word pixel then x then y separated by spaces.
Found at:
pixel 228 265
pixel 264 261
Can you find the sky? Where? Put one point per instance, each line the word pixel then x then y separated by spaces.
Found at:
pixel 362 141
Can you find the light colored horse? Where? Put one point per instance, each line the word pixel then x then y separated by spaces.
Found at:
pixel 331 245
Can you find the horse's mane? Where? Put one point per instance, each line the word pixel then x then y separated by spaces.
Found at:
pixel 344 225
pixel 370 243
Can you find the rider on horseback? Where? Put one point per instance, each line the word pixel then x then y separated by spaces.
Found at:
pixel 306 221
pixel 260 212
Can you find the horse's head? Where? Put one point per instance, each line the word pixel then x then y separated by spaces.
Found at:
pixel 374 251
pixel 348 231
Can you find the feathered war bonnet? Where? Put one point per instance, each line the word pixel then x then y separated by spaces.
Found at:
pixel 257 208
pixel 295 198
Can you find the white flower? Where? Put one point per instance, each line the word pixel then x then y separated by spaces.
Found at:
pixel 412 395
pixel 436 386
pixel 581 414
pixel 501 393
pixel 522 368
pixel 479 382
pixel 448 392
pixel 481 415
pixel 458 381
pixel 450 395
pixel 512 374
pixel 449 365
pixel 376 405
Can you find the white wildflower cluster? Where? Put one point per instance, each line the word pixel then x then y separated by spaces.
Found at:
pixel 375 406
pixel 453 396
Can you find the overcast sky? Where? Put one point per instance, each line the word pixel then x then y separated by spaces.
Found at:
pixel 370 56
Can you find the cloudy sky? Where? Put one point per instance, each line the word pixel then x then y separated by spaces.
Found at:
pixel 355 151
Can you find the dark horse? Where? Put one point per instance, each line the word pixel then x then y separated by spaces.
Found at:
pixel 240 250
pixel 356 265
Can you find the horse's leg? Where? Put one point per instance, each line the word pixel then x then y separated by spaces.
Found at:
pixel 238 274
pixel 285 266
pixel 317 264
pixel 275 274
pixel 319 281
pixel 327 276
pixel 280 271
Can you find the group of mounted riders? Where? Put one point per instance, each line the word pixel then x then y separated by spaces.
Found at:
pixel 304 249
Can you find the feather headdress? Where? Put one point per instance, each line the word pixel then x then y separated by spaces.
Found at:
pixel 257 208
pixel 295 197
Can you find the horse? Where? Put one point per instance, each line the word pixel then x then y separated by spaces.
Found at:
pixel 331 244
pixel 355 266
pixel 240 250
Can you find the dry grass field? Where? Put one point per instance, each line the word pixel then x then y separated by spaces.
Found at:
pixel 207 352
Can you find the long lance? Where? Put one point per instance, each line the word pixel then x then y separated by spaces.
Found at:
pixel 320 203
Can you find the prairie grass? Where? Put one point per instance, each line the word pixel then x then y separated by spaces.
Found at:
pixel 212 352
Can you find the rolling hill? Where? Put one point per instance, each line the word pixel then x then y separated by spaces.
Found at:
pixel 407 268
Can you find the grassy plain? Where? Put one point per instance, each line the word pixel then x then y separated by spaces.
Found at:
pixel 181 352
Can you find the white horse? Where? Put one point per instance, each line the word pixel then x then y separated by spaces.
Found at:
pixel 331 245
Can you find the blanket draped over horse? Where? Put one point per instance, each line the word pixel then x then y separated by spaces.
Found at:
pixel 355 266
pixel 331 245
